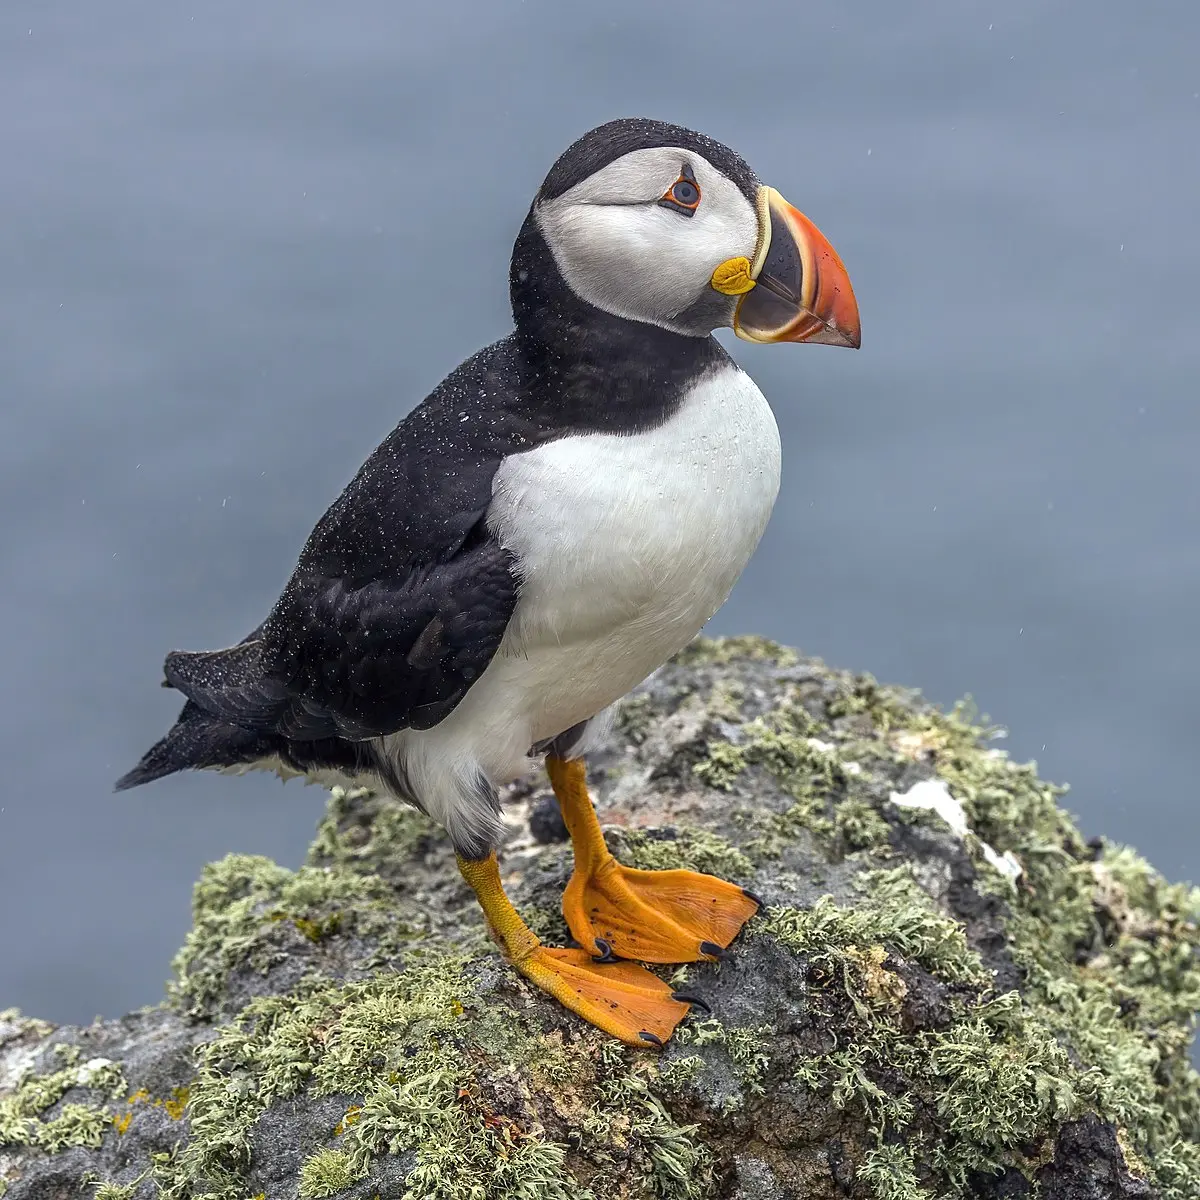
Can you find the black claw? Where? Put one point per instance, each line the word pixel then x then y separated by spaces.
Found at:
pixel 652 1038
pixel 755 897
pixel 714 951
pixel 606 954
pixel 686 998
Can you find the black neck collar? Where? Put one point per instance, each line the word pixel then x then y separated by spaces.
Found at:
pixel 588 366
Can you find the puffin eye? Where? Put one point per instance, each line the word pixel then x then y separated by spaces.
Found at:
pixel 684 194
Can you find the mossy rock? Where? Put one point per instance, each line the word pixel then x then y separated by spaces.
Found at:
pixel 997 1010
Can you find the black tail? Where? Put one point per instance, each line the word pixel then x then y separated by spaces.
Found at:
pixel 230 684
pixel 198 740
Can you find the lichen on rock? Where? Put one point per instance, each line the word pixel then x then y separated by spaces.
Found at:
pixel 902 1021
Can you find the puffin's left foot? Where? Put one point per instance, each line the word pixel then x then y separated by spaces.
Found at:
pixel 650 916
pixel 623 999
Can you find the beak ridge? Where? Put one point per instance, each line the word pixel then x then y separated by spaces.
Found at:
pixel 802 290
pixel 833 304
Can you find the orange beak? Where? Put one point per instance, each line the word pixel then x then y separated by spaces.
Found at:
pixel 801 290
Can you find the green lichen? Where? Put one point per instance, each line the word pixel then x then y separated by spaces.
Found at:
pixel 722 765
pixel 895 913
pixel 809 769
pixel 368 837
pixel 634 718
pixel 14 1024
pixel 887 707
pixel 782 743
pixel 326 1173
pixel 686 848
pixel 967 1096
pixel 725 700
pixel 241 907
pixel 746 1048
pixel 675 1074
pixel 995 1077
pixel 673 1163
pixel 885 1010
pixel 707 651
pixel 419 1050
pixel 327 1038
pixel 75 1125
pixel 1110 955
pixel 548 923
pixel 891 1174
pixel 32 1115
pixel 859 825
pixel 107 1190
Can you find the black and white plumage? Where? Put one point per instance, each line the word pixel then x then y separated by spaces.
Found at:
pixel 562 514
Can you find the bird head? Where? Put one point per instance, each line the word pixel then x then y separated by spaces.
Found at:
pixel 655 223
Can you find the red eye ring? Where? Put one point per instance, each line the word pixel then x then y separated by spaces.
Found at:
pixel 684 194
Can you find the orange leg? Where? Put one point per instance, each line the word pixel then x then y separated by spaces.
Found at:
pixel 624 1000
pixel 651 916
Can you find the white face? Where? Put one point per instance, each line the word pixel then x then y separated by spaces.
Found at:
pixel 622 251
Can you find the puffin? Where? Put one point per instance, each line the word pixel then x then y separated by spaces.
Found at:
pixel 558 518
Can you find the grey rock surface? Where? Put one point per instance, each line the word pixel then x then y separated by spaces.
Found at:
pixel 989 1008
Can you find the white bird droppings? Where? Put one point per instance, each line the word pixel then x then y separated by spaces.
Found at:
pixel 88 1071
pixel 933 794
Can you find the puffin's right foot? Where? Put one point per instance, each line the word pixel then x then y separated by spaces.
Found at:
pixel 620 998
pixel 654 916
pixel 649 916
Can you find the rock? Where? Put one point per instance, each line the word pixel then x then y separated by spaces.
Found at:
pixel 903 1020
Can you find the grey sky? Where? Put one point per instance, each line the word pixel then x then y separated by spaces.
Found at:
pixel 241 241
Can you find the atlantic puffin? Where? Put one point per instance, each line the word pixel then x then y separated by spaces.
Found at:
pixel 560 516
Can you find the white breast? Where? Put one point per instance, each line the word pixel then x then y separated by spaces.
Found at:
pixel 628 544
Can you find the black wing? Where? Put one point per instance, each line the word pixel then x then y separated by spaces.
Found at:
pixel 401 596
pixel 337 660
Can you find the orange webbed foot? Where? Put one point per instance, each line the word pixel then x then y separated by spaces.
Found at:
pixel 622 999
pixel 654 916
pixel 649 916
